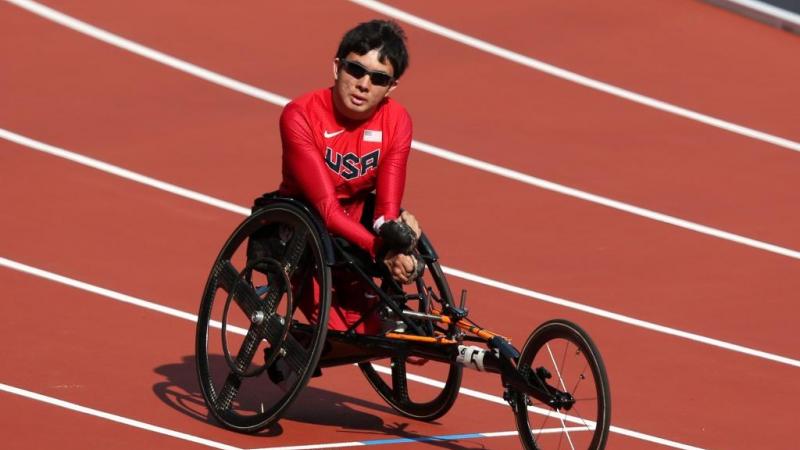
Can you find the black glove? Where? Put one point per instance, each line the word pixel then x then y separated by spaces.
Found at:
pixel 397 237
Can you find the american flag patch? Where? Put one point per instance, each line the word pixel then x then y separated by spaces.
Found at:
pixel 373 135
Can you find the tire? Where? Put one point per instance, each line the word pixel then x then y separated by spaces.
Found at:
pixel 565 351
pixel 252 292
pixel 418 402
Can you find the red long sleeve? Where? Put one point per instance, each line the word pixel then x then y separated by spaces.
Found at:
pixel 392 173
pixel 334 165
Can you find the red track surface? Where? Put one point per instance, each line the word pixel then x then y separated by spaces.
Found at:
pixel 72 91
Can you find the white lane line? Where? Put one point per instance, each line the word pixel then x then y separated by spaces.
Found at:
pixel 209 443
pixel 152 306
pixel 121 172
pixel 113 417
pixel 147 52
pixel 202 198
pixel 573 77
pixel 114 295
pixel 763 12
pixel 205 74
pixel 604 201
pixel 619 317
pixel 499 400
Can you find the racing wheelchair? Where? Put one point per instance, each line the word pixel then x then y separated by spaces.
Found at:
pixel 256 348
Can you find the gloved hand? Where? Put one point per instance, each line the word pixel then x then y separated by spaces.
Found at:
pixel 398 251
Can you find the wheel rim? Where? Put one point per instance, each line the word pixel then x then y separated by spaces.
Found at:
pixel 243 397
pixel 574 366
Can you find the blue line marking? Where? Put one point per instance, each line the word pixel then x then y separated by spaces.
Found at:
pixel 446 437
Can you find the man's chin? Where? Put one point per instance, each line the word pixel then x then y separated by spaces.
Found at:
pixel 358 111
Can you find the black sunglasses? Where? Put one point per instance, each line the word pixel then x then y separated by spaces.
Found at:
pixel 357 71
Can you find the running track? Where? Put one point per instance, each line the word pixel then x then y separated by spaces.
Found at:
pixel 84 349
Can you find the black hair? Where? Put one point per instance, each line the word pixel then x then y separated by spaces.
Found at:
pixel 384 35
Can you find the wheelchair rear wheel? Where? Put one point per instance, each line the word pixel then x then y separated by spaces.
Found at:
pixel 255 349
pixel 422 400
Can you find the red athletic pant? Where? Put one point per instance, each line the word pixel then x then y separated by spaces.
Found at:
pixel 350 300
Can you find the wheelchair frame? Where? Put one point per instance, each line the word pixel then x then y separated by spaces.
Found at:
pixel 437 332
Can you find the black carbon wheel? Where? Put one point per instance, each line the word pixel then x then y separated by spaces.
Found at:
pixel 564 354
pixel 418 400
pixel 249 317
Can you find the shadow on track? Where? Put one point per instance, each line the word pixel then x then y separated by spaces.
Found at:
pixel 180 391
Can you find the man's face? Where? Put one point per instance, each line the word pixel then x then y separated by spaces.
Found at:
pixel 357 98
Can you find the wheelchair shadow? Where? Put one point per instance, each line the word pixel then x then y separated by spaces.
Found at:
pixel 180 391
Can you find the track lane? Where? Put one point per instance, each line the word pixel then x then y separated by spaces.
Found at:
pixel 207 154
pixel 123 108
pixel 708 427
pixel 255 169
pixel 607 269
pixel 156 383
pixel 491 308
pixel 678 167
pixel 685 390
pixel 186 403
pixel 690 54
pixel 437 241
pixel 95 355
pixel 60 427
pixel 592 255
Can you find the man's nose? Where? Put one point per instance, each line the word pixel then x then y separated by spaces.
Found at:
pixel 363 83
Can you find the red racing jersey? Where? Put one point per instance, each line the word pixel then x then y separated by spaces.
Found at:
pixel 334 163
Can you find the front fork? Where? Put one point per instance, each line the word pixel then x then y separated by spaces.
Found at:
pixel 502 358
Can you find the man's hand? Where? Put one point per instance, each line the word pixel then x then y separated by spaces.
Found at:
pixel 411 221
pixel 401 266
pixel 400 235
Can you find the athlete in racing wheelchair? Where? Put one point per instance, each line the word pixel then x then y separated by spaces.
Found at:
pixel 266 323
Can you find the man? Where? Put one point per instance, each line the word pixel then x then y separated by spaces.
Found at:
pixel 343 142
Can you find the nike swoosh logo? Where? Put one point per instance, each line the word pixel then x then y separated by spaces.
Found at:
pixel 330 135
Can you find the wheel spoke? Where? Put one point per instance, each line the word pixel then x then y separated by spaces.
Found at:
pixel 581 377
pixel 297 356
pixel 249 347
pixel 270 330
pixel 538 432
pixel 565 432
pixel 399 380
pixel 575 407
pixel 244 294
pixel 564 387
pixel 564 359
pixel 223 400
pixel 555 366
pixel 242 291
pixel 295 249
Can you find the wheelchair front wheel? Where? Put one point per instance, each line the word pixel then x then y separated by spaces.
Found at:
pixel 565 356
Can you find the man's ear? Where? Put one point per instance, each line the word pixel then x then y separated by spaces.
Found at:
pixel 391 88
pixel 335 69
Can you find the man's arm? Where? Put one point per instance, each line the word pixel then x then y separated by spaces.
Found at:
pixel 303 164
pixel 389 195
pixel 392 173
